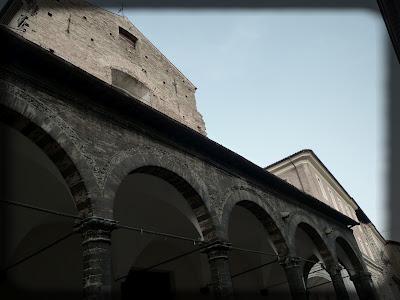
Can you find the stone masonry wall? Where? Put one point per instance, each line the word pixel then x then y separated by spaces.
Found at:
pixel 89 37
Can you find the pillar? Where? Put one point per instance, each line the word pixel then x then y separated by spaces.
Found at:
pixel 338 283
pixel 221 283
pixel 364 286
pixel 96 250
pixel 294 275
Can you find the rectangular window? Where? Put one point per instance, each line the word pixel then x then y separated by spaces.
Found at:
pixel 125 34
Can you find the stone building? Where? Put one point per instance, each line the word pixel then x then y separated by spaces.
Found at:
pixel 305 171
pixel 111 189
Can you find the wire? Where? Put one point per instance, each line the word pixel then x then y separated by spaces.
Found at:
pixel 256 252
pixel 167 261
pixel 307 288
pixel 315 271
pixel 254 268
pixel 38 252
pixel 158 233
pixel 298 175
pixel 314 286
pixel 41 209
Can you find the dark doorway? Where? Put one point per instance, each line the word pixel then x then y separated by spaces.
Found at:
pixel 147 285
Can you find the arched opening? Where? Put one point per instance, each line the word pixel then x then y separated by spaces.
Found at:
pixel 255 275
pixel 157 199
pixel 317 278
pixel 315 255
pixel 351 265
pixel 36 171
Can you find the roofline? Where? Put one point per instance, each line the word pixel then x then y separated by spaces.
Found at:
pixel 87 3
pixel 311 152
pixel 19 53
pixel 376 229
pixel 397 243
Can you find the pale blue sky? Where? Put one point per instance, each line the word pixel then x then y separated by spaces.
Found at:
pixel 272 82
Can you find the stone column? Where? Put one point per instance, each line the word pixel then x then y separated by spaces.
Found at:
pixel 96 249
pixel 221 283
pixel 338 283
pixel 364 286
pixel 294 276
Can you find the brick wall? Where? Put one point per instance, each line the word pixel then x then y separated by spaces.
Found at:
pixel 89 37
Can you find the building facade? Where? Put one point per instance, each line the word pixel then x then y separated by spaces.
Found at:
pixel 109 180
pixel 306 172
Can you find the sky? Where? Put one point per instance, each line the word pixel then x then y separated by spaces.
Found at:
pixel 273 82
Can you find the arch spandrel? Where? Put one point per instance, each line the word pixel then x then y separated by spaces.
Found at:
pixel 162 164
pixel 254 202
pixel 298 217
pixel 314 230
pixel 41 129
pixel 353 254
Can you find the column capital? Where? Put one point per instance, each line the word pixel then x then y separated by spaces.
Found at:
pixel 289 262
pixel 361 275
pixel 334 269
pixel 217 249
pixel 95 229
pixel 95 223
pixel 294 275
pixel 218 258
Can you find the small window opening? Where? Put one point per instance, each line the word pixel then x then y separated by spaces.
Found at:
pixel 128 36
pixel 50 14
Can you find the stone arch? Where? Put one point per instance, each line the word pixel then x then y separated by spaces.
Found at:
pixel 352 261
pixel 308 265
pixel 324 256
pixel 148 160
pixel 253 202
pixel 353 255
pixel 300 220
pixel 58 147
